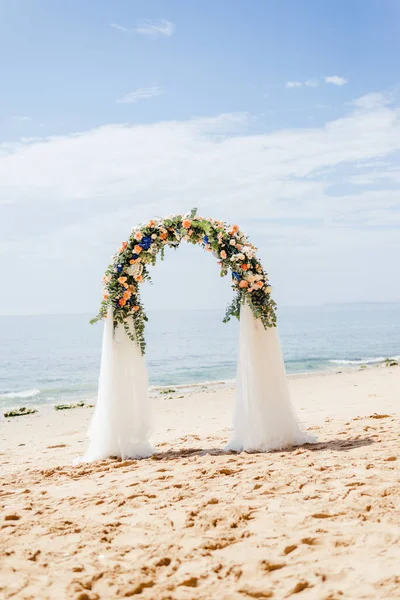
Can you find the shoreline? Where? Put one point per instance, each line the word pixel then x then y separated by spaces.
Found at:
pixel 305 390
pixel 156 391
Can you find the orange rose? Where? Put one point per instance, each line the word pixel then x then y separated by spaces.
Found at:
pixel 123 246
pixel 105 296
pixel 122 279
pixel 122 302
pixel 164 235
pixel 135 308
pixel 134 260
pixel 186 223
pixel 138 278
pixel 126 295
pixel 138 249
pixel 151 223
pixel 245 267
pixel 223 254
pixel 243 284
pixel 138 236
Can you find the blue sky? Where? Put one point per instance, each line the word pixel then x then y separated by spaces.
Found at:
pixel 63 65
pixel 283 115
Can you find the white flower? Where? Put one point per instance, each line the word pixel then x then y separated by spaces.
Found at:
pixel 248 251
pixel 135 269
pixel 240 256
pixel 232 242
pixel 154 236
pixel 268 289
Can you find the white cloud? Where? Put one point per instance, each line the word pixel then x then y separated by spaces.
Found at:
pixel 371 101
pixel 311 83
pixel 336 80
pixel 156 29
pixel 297 84
pixel 152 29
pixel 121 28
pixel 293 84
pixel 140 94
pixel 73 198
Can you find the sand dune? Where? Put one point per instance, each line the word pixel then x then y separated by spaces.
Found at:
pixel 317 522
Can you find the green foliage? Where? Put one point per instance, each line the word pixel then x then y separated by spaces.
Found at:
pixel 389 362
pixel 19 412
pixel 69 406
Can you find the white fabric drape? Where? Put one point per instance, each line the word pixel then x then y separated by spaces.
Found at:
pixel 122 421
pixel 264 419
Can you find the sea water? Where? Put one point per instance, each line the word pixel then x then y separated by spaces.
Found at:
pixel 56 358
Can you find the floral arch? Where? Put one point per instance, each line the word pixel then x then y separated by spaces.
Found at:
pixel 122 421
pixel 235 254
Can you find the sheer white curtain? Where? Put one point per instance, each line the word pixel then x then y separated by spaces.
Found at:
pixel 122 421
pixel 264 418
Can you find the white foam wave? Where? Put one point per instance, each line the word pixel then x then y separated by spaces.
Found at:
pixel 364 361
pixel 23 394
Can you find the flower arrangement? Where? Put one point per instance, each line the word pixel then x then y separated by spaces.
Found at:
pixel 235 254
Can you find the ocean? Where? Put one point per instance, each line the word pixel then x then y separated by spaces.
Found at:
pixel 56 358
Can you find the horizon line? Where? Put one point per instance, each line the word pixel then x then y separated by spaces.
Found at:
pixel 325 304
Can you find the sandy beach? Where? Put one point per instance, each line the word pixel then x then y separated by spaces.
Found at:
pixel 193 522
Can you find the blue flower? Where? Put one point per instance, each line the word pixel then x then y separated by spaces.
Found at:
pixel 119 268
pixel 146 242
pixel 135 256
pixel 236 275
pixel 205 239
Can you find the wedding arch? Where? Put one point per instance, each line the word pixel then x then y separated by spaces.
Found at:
pixel 122 421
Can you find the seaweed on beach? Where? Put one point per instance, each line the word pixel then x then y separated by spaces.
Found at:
pixel 19 412
pixel 390 362
pixel 69 406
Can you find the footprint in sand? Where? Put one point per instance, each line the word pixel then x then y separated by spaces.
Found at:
pixel 289 549
pixel 299 587
pixel 256 593
pixel 310 541
pixel 269 567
